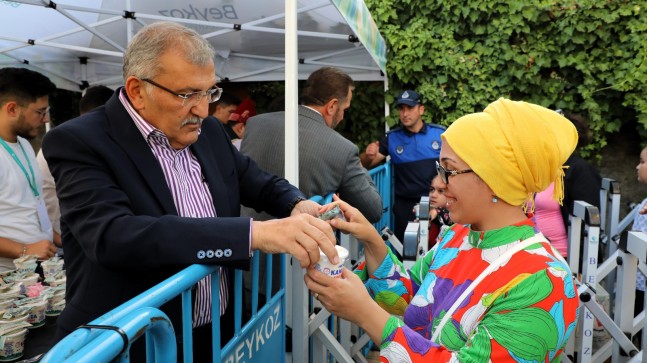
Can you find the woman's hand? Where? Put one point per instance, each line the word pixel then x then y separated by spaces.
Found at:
pixel 375 249
pixel 344 297
pixel 347 298
pixel 355 223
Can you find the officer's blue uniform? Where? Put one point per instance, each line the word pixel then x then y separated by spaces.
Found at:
pixel 413 156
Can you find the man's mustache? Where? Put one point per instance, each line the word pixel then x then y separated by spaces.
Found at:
pixel 192 121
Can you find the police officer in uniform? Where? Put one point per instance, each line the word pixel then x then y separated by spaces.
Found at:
pixel 414 148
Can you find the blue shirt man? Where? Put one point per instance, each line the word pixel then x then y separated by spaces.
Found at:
pixel 414 149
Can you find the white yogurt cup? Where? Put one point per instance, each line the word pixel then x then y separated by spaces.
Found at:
pixel 334 270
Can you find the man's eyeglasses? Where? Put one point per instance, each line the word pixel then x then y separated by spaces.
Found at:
pixel 42 112
pixel 193 98
pixel 445 174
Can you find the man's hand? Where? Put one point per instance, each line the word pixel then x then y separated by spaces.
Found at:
pixel 307 207
pixel 301 236
pixel 371 156
pixel 372 149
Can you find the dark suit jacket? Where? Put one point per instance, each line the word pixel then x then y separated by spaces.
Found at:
pixel 120 228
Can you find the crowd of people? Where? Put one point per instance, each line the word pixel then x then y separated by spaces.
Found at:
pixel 169 171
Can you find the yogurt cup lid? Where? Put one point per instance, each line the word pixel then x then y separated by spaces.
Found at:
pixel 341 251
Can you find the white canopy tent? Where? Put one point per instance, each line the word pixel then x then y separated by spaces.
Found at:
pixel 80 43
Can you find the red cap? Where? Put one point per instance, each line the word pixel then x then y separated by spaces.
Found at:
pixel 244 111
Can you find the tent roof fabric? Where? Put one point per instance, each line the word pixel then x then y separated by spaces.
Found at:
pixel 81 43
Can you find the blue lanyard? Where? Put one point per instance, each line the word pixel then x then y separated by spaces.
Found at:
pixel 30 177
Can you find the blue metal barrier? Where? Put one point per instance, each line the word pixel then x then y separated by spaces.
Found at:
pixel 322 200
pixel 262 338
pixel 111 342
pixel 265 329
pixel 381 176
pixel 156 296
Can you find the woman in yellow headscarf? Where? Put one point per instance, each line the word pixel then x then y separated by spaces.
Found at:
pixel 493 289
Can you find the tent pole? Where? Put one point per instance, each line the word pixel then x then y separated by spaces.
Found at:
pixel 387 109
pixel 295 288
pixel 129 25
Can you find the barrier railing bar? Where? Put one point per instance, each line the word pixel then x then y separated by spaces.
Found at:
pixel 156 296
pixel 187 326
pixel 328 340
pixel 238 296
pixel 606 267
pixel 318 320
pixel 255 271
pixel 361 342
pixel 629 218
pixel 227 349
pixel 215 317
pixel 109 343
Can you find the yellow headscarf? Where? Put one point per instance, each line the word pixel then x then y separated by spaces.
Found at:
pixel 517 148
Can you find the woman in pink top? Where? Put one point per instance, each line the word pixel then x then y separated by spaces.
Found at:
pixel 581 182
pixel 548 216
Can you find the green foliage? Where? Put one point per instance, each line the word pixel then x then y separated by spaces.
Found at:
pixel 585 56
pixel 268 96
pixel 364 121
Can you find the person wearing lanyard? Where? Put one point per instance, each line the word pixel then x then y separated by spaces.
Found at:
pixel 24 108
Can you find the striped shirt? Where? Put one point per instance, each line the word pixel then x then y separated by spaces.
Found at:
pixel 191 195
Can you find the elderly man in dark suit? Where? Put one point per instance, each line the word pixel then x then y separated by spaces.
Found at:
pixel 146 188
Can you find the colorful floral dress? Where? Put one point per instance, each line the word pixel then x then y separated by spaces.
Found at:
pixel 524 311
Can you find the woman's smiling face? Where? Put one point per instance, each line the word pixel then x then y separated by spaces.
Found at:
pixel 468 198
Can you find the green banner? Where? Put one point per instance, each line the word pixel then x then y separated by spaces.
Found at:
pixel 359 19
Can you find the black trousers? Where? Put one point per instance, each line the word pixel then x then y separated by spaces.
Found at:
pixel 202 337
pixel 403 214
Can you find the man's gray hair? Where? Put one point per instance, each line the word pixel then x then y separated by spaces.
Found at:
pixel 142 56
